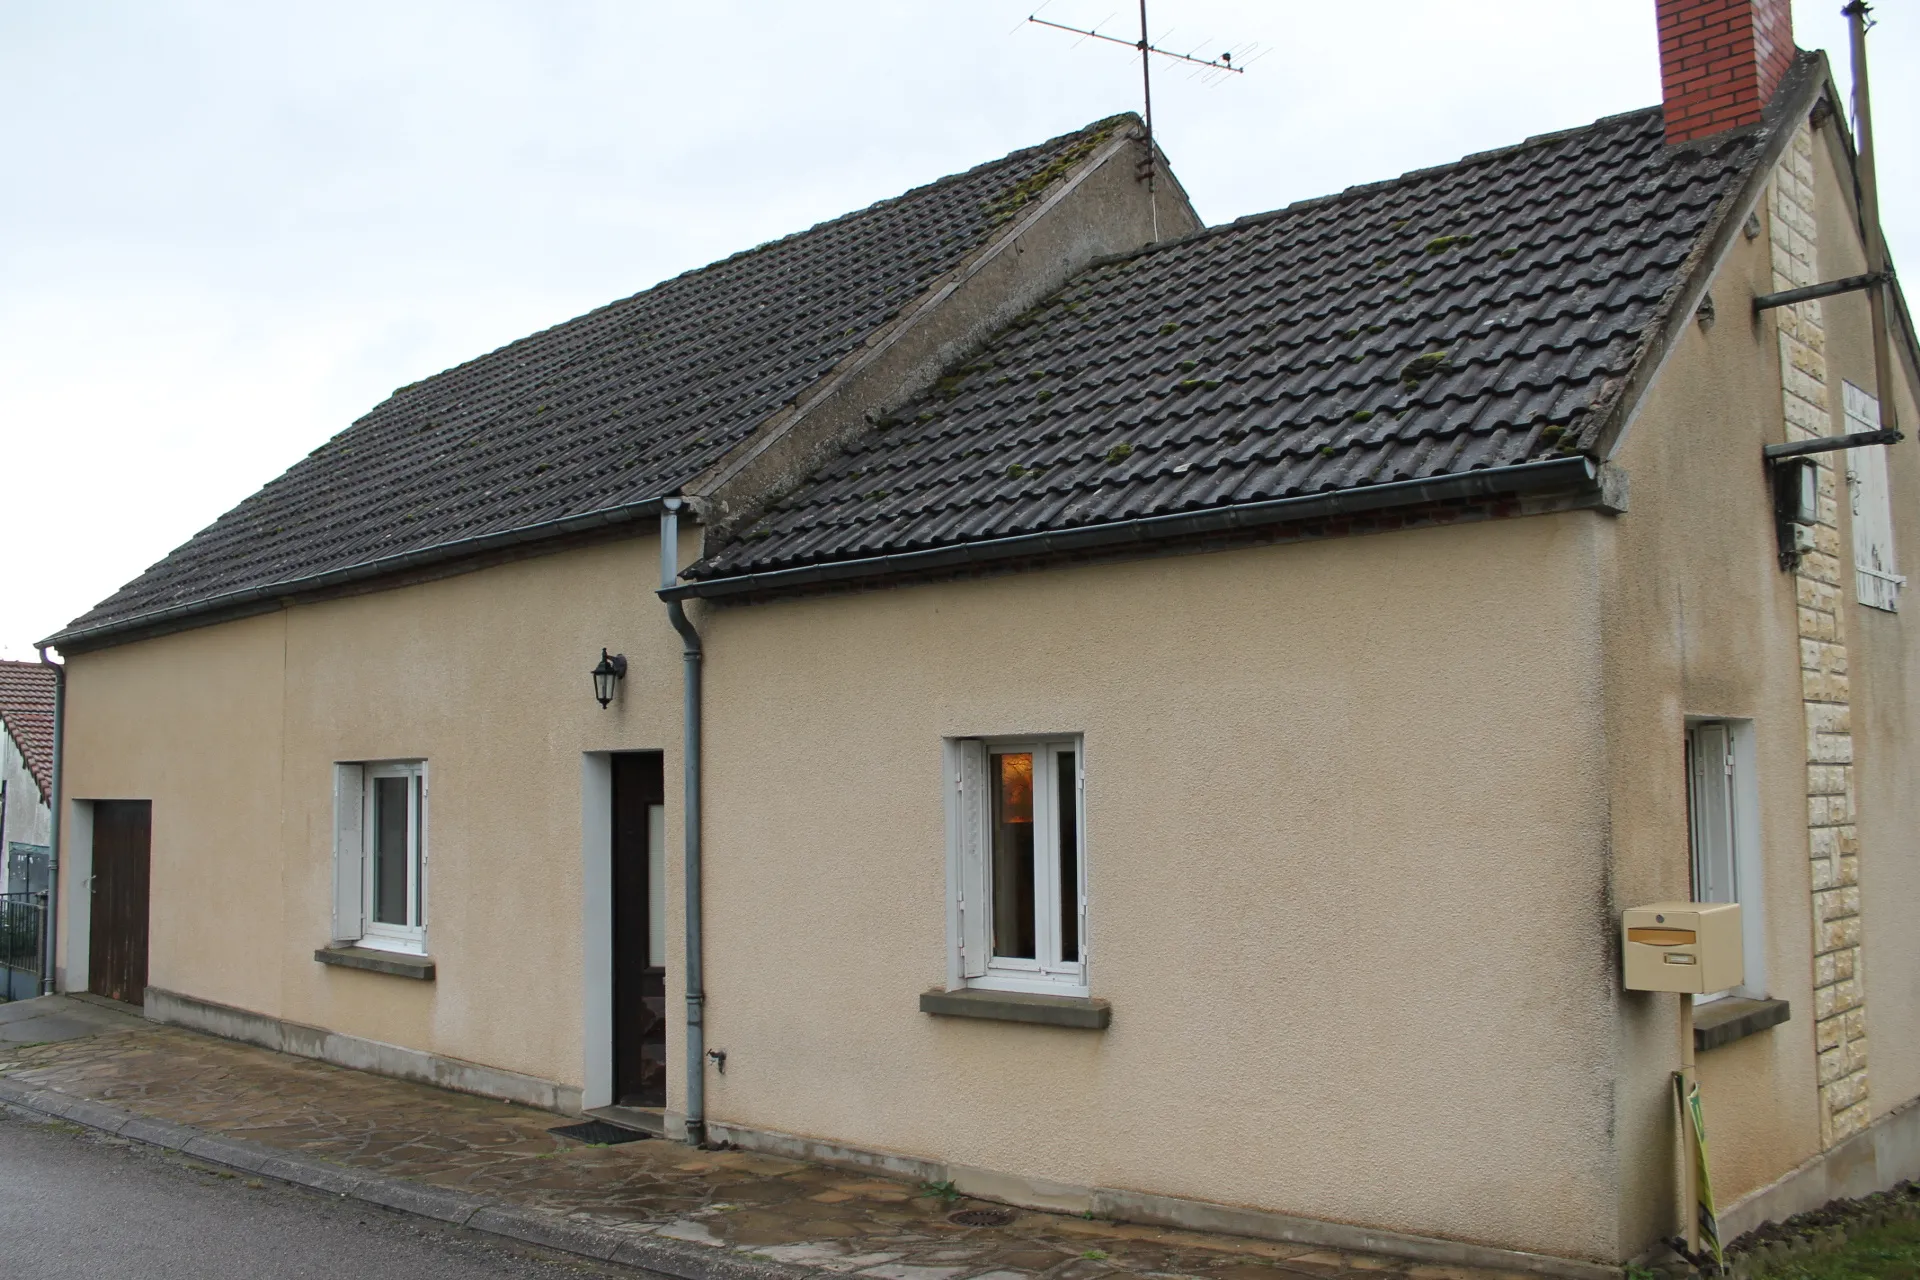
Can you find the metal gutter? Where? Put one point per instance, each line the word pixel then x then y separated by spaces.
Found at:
pixel 1522 478
pixel 691 656
pixel 265 596
pixel 50 925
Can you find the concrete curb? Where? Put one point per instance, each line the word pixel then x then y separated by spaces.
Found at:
pixel 685 1261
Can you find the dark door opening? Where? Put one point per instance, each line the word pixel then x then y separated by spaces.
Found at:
pixel 639 930
pixel 122 869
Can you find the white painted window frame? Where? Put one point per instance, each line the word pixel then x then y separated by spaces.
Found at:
pixel 410 938
pixel 1876 581
pixel 970 891
pixel 1740 801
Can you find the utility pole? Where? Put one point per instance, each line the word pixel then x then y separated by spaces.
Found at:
pixel 1876 246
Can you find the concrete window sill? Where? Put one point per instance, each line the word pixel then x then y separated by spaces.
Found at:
pixel 1730 1019
pixel 390 962
pixel 1017 1006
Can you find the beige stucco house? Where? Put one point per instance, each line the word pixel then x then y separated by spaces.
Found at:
pixel 1176 713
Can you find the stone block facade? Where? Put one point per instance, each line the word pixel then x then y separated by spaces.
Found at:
pixel 1839 991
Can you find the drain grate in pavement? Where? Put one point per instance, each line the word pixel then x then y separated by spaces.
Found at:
pixel 981 1217
pixel 599 1132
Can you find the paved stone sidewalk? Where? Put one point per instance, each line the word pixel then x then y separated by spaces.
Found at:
pixel 59 1018
pixel 748 1210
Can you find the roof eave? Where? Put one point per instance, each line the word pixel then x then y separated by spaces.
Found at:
pixel 369 575
pixel 1580 475
pixel 37 769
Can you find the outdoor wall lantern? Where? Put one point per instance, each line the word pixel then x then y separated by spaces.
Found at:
pixel 608 675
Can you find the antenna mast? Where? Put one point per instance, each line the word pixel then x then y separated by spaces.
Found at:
pixel 1146 97
pixel 1223 63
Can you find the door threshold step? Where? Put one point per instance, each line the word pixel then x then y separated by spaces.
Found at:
pixel 108 1002
pixel 651 1120
pixel 600 1133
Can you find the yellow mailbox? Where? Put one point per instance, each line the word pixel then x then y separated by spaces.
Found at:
pixel 1682 946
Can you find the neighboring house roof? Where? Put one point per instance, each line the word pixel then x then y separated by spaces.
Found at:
pixel 1478 315
pixel 587 421
pixel 26 709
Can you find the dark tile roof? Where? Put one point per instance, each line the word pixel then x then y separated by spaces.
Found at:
pixel 26 709
pixel 1472 316
pixel 617 407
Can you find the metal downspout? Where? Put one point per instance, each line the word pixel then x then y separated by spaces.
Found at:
pixel 690 866
pixel 53 825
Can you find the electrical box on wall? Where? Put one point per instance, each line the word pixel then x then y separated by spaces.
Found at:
pixel 1796 506
pixel 1682 946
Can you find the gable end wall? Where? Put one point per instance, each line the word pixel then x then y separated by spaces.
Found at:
pixel 1703 623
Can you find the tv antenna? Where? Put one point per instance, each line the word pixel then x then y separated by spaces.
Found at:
pixel 1218 67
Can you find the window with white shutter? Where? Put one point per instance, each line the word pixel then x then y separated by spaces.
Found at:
pixel 1723 831
pixel 349 857
pixel 1017 865
pixel 1710 812
pixel 380 855
pixel 1876 582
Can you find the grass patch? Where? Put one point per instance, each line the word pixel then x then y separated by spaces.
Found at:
pixel 1876 1237
pixel 1889 1252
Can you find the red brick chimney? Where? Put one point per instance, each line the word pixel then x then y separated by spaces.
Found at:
pixel 1720 61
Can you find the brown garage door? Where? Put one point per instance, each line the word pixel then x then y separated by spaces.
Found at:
pixel 117 957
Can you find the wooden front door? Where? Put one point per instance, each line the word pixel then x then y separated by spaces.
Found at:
pixel 117 954
pixel 639 931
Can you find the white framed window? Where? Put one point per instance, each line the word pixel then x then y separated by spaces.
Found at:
pixel 1723 817
pixel 1875 582
pixel 1017 901
pixel 380 855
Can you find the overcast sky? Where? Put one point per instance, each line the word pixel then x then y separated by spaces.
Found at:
pixel 229 228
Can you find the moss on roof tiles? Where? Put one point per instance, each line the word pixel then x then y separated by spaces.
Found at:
pixel 1002 207
pixel 1344 385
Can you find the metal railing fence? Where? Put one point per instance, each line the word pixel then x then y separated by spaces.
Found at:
pixel 23 944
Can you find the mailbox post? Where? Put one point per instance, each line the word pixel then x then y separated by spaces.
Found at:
pixel 1692 948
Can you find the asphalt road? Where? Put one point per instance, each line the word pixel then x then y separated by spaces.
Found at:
pixel 74 1203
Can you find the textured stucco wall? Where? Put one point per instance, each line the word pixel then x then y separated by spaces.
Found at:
pixel 192 723
pixel 1345 853
pixel 233 730
pixel 1701 622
